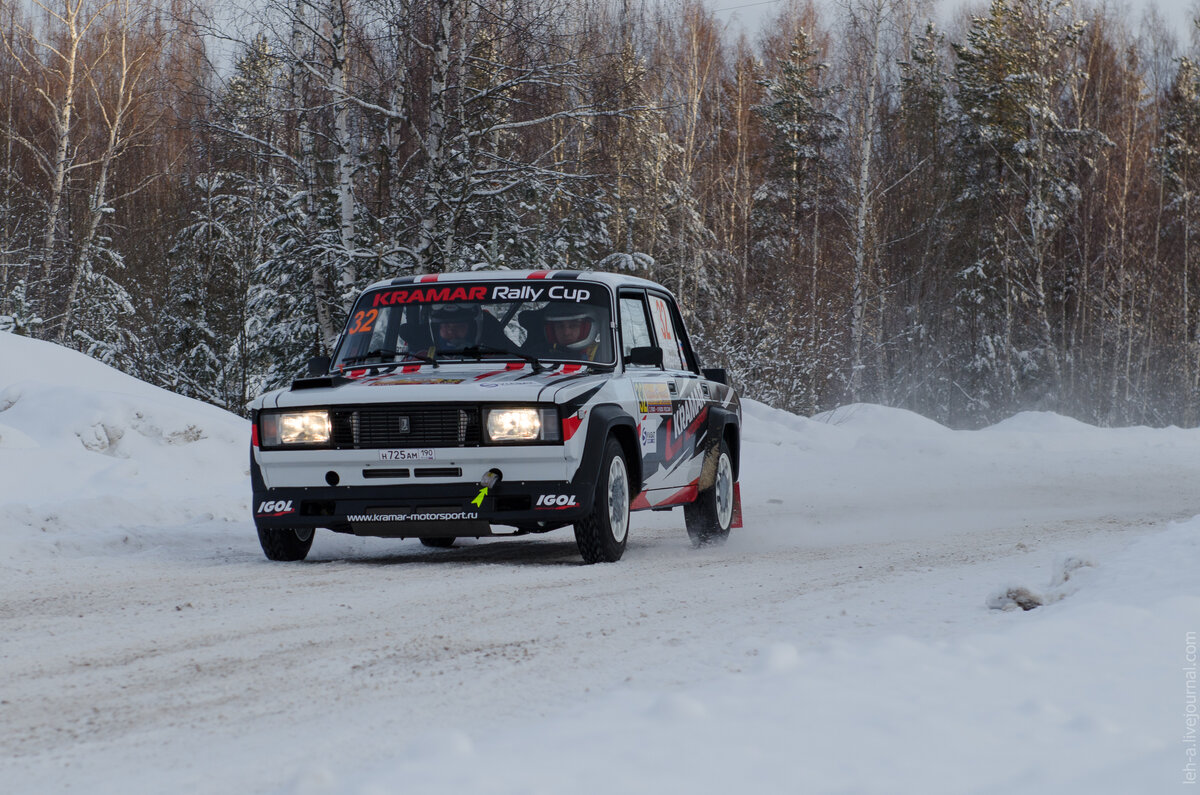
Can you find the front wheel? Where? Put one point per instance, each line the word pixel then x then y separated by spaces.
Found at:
pixel 601 534
pixel 286 543
pixel 708 518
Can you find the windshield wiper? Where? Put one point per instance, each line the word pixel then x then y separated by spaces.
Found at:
pixel 478 351
pixel 381 352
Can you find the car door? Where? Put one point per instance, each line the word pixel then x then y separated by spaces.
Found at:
pixel 653 394
pixel 686 428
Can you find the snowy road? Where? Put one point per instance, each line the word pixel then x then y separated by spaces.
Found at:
pixel 164 661
pixel 147 646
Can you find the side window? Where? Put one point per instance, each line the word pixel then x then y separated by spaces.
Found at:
pixel 635 330
pixel 668 339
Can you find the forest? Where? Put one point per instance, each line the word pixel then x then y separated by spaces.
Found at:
pixel 857 203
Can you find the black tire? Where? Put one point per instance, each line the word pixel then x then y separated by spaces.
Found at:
pixel 439 543
pixel 601 535
pixel 709 517
pixel 286 543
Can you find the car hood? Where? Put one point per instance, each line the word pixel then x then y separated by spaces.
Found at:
pixel 462 383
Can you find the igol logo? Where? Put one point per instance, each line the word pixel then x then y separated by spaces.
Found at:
pixel 275 507
pixel 556 501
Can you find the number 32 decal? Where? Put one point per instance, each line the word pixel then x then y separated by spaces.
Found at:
pixel 363 321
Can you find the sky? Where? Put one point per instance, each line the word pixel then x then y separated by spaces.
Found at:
pixel 752 13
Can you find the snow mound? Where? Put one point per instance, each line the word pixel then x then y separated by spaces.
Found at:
pixel 883 421
pixel 768 425
pixel 28 359
pixel 79 440
pixel 1041 422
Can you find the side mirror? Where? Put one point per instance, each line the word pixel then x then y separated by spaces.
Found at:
pixel 319 365
pixel 650 355
pixel 717 374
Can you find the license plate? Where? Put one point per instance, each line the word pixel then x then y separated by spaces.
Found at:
pixel 406 455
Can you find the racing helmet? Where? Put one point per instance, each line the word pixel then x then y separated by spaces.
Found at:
pixel 572 326
pixel 455 325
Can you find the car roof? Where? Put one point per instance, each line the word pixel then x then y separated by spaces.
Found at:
pixel 603 277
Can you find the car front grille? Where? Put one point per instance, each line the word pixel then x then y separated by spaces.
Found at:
pixel 407 426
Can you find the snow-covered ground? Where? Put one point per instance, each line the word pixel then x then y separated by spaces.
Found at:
pixel 851 638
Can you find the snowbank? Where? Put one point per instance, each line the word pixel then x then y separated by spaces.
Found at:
pixel 1087 695
pixel 94 458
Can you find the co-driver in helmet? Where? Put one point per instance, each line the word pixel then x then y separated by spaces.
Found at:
pixel 573 331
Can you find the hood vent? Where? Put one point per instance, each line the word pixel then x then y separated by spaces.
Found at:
pixel 324 382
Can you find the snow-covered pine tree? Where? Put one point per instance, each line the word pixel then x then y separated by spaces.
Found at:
pixel 793 210
pixel 104 326
pixel 1013 75
pixel 223 342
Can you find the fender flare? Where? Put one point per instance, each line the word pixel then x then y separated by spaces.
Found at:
pixel 720 418
pixel 603 420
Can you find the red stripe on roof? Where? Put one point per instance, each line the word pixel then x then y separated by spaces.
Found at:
pixel 538 275
pixel 431 277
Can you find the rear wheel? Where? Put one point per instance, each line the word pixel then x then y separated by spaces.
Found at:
pixel 286 543
pixel 439 543
pixel 601 535
pixel 709 517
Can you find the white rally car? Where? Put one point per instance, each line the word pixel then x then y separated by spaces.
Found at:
pixel 472 405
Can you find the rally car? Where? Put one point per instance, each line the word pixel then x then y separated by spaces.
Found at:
pixel 471 405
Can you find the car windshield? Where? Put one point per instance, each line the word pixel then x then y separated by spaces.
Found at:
pixel 536 320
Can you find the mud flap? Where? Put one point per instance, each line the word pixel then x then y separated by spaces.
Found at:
pixel 736 519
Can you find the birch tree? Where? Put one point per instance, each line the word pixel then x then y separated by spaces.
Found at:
pixel 118 85
pixel 1179 159
pixel 50 63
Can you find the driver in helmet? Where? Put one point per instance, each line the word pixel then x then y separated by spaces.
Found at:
pixel 573 331
pixel 455 326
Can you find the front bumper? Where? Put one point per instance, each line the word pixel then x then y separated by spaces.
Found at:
pixel 424 511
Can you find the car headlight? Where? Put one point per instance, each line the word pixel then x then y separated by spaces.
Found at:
pixel 522 425
pixel 295 427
